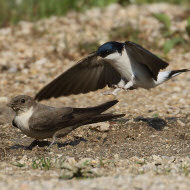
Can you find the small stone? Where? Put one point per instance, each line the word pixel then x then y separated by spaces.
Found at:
pixel 181 123
pixel 102 127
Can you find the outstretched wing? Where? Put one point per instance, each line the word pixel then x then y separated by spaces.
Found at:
pixel 141 55
pixel 87 75
pixel 50 118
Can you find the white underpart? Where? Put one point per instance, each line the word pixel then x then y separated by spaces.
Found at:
pixel 162 76
pixel 121 63
pixel 22 120
pixel 134 72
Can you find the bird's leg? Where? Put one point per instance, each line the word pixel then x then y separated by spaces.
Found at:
pixel 112 92
pixel 62 133
pixel 54 140
pixel 117 89
pixel 129 84
pixel 121 84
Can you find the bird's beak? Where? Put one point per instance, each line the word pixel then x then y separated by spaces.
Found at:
pixel 13 106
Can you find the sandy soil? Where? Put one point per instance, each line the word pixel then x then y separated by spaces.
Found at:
pixel 147 149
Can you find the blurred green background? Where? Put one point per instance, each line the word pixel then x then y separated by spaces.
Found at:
pixel 12 11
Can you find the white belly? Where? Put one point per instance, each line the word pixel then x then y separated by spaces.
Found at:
pixel 122 65
pixel 130 69
pixel 143 77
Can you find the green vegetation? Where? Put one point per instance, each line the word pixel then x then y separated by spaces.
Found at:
pixel 12 11
pixel 18 164
pixel 42 163
pixel 169 44
pixel 79 170
pixel 185 169
pixel 155 115
pixel 163 18
pixel 172 38
pixel 15 10
pixel 70 168
pixel 84 47
pixel 188 26
pixel 159 1
pixel 125 32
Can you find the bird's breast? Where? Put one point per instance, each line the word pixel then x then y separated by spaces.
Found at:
pixel 21 120
pixel 123 66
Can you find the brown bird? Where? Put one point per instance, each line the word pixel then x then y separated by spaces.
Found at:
pixel 40 121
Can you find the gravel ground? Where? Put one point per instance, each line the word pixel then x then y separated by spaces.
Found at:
pixel 148 149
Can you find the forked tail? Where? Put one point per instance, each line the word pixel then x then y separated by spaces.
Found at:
pixel 166 75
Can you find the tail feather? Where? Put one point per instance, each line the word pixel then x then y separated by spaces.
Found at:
pixel 177 72
pixel 94 114
pixel 102 118
pixel 166 75
pixel 97 109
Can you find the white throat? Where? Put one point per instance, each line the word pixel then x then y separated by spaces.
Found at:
pixel 113 57
pixel 121 63
pixel 22 119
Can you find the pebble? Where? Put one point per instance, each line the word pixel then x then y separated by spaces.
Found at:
pixel 34 57
pixel 181 123
pixel 102 127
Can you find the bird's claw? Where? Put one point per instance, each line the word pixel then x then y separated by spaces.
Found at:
pixel 109 93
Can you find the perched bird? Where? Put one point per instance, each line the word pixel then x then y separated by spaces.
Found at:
pixel 40 121
pixel 118 65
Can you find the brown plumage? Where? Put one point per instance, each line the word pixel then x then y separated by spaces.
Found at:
pixel 40 121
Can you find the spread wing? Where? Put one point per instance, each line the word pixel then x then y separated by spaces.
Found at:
pixel 141 55
pixel 87 75
pixel 50 118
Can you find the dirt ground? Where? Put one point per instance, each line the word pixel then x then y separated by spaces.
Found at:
pixel 147 149
pixel 139 137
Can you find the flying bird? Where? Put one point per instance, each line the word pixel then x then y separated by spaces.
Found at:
pixel 124 66
pixel 41 121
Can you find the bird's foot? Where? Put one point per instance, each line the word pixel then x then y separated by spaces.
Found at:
pixel 109 92
pixel 129 85
pixel 114 92
pixel 53 142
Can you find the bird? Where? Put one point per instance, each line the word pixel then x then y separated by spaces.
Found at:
pixel 119 65
pixel 40 121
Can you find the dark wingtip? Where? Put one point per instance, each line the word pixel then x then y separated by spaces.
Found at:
pixel 178 71
pixel 112 102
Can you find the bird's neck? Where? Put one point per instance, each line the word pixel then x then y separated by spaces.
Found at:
pixel 24 111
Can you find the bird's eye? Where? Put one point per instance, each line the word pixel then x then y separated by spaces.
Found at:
pixel 22 101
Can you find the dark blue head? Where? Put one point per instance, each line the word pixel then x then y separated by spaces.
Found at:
pixel 109 48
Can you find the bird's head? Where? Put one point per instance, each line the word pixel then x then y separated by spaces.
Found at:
pixel 110 50
pixel 21 103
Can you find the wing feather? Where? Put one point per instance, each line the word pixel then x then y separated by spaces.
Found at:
pixel 50 118
pixel 87 75
pixel 141 55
